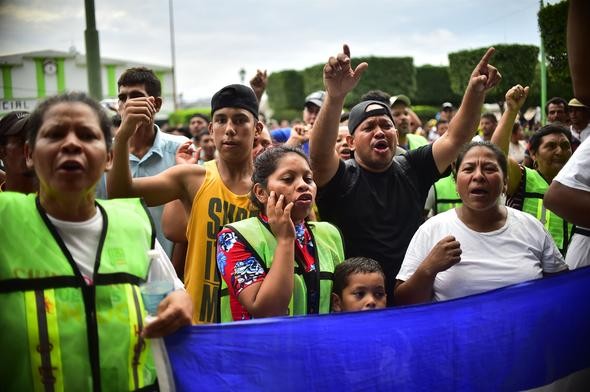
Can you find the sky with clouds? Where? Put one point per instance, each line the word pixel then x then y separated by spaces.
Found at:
pixel 215 39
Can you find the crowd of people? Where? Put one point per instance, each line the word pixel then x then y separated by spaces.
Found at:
pixel 238 219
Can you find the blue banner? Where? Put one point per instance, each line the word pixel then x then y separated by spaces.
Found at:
pixel 519 337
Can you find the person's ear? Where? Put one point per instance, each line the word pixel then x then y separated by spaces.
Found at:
pixel 336 303
pixel 158 103
pixel 29 156
pixel 259 127
pixel 350 141
pixel 261 193
pixel 109 162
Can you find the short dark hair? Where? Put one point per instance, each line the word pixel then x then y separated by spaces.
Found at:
pixel 500 156
pixel 441 121
pixel 266 164
pixel 490 116
pixel 141 75
pixel 353 265
pixel 376 95
pixel 199 115
pixel 537 137
pixel 36 118
pixel 556 101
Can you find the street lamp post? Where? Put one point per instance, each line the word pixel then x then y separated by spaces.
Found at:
pixel 92 52
pixel 173 53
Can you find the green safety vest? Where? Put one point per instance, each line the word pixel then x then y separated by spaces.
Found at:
pixel 534 191
pixel 415 141
pixel 58 333
pixel 261 241
pixel 446 196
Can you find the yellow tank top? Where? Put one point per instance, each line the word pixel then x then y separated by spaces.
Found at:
pixel 214 205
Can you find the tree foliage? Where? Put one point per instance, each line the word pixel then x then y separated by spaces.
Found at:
pixel 433 86
pixel 553 25
pixel 515 62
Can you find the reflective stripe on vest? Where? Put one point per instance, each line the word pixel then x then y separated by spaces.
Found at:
pixel 137 350
pixel 44 345
pixel 446 196
pixel 535 187
pixel 49 313
pixel 329 253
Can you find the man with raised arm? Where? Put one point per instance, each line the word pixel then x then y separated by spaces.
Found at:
pixel 213 194
pixel 375 199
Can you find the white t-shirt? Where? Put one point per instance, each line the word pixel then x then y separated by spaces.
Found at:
pixel 519 251
pixel 576 174
pixel 583 134
pixel 516 151
pixel 81 239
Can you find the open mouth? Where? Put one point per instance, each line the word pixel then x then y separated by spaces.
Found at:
pixel 381 146
pixel 478 192
pixel 305 199
pixel 71 166
pixel 345 153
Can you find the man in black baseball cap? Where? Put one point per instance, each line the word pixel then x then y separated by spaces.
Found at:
pixel 13 134
pixel 376 199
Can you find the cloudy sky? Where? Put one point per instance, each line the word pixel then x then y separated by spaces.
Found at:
pixel 215 39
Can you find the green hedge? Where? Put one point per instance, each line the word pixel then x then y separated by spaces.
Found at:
pixel 434 86
pixel 425 112
pixel 395 75
pixel 556 87
pixel 287 114
pixel 285 90
pixel 181 116
pixel 515 62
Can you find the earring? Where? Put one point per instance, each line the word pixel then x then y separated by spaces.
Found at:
pixel 535 164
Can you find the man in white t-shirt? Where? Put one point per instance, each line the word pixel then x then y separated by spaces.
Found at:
pixel 569 197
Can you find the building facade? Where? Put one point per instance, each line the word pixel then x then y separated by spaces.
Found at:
pixel 28 78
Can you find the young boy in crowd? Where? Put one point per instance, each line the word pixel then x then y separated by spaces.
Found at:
pixel 359 284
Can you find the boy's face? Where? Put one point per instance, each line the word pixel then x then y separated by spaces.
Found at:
pixel 365 291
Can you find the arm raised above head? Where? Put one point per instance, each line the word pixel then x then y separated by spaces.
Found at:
pixel 177 182
pixel 515 98
pixel 463 125
pixel 339 80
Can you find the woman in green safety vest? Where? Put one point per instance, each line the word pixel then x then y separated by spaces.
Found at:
pixel 278 263
pixel 70 267
pixel 550 148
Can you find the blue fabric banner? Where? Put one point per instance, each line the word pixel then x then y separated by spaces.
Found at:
pixel 515 338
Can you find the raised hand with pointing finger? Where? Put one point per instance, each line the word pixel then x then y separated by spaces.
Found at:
pixel 339 77
pixel 485 76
